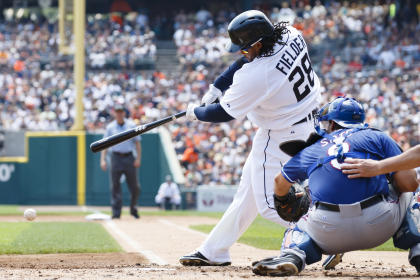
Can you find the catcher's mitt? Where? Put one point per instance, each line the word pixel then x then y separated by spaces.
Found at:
pixel 289 207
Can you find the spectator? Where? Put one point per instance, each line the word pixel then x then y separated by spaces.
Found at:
pixel 168 196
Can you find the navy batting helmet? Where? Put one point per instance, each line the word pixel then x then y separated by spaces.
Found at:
pixel 346 112
pixel 248 28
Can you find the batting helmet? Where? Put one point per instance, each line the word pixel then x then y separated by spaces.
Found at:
pixel 248 28
pixel 346 112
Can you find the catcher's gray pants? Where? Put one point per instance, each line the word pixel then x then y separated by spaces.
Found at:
pixel 123 164
pixel 354 228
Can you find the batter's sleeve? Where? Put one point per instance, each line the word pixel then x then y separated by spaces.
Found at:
pixel 212 113
pixel 225 79
pixel 248 90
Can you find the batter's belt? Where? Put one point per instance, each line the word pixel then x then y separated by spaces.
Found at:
pixel 307 118
pixel 363 204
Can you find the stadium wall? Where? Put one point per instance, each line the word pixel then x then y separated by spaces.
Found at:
pixel 59 169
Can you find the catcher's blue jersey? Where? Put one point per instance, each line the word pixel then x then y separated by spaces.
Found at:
pixel 326 181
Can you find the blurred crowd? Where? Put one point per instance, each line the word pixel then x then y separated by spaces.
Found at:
pixel 28 46
pixel 369 52
pixel 355 33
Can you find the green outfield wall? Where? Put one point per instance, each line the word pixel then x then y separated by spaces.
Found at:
pixel 59 169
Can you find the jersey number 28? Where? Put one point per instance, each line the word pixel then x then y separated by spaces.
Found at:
pixel 304 78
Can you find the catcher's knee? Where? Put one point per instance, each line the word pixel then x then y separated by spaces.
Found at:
pixel 408 235
pixel 294 237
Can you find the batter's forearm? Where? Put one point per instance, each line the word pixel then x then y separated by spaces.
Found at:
pixel 212 113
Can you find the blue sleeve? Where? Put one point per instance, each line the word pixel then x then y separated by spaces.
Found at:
pixel 389 147
pixel 295 169
pixel 212 113
pixel 225 79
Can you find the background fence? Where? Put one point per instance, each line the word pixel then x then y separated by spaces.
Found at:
pixel 53 171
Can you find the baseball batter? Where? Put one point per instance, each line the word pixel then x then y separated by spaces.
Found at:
pixel 277 90
pixel 347 214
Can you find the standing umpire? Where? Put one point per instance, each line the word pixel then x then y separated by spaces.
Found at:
pixel 125 159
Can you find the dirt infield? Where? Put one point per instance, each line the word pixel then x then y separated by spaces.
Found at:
pixel 165 239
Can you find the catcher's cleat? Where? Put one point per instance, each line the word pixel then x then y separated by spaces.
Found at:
pixel 285 265
pixel 332 261
pixel 197 259
pixel 266 259
pixel 415 261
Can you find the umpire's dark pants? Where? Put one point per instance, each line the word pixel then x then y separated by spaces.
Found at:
pixel 123 164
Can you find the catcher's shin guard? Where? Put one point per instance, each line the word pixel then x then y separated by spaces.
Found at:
pixel 295 238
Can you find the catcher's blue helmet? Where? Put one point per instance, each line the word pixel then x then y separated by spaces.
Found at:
pixel 346 112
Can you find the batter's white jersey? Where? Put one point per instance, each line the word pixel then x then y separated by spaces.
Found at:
pixel 277 91
pixel 277 94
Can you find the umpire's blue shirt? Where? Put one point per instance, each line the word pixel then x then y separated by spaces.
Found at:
pixel 327 183
pixel 126 146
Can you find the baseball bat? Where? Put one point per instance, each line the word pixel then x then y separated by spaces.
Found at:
pixel 115 139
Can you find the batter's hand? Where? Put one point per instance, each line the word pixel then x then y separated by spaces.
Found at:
pixel 103 165
pixel 137 163
pixel 211 95
pixel 357 168
pixel 190 112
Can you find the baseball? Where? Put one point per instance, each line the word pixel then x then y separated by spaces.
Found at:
pixel 29 214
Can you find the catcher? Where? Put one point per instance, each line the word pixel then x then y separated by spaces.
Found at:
pixel 345 214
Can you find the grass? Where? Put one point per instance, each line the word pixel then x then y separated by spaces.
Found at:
pixel 7 210
pixel 13 210
pixel 261 234
pixel 265 234
pixel 55 237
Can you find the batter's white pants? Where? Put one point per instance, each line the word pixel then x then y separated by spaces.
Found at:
pixel 255 192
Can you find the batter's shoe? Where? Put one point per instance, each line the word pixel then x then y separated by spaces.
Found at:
pixel 285 265
pixel 332 261
pixel 197 259
pixel 415 261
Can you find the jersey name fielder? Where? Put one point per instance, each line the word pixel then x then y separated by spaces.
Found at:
pixel 286 91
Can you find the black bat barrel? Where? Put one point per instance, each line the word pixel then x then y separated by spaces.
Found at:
pixel 112 140
pixel 115 139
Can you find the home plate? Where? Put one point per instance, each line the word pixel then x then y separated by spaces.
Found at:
pixel 97 217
